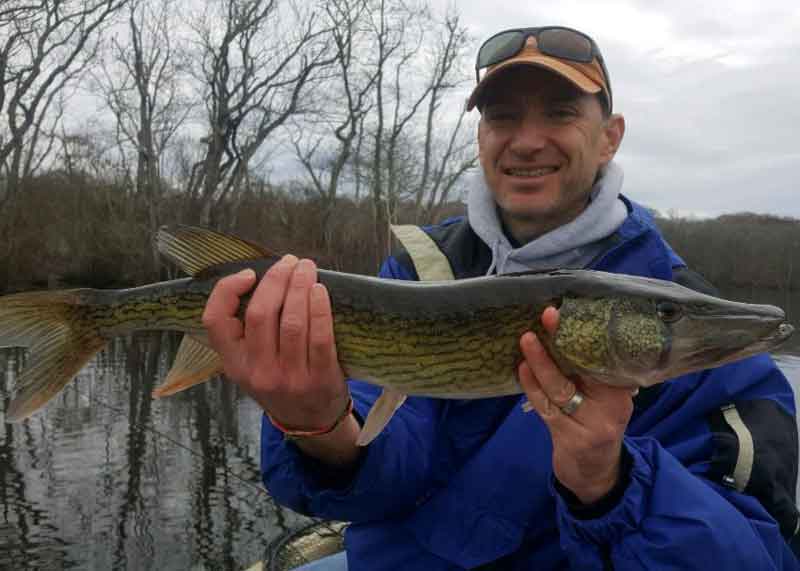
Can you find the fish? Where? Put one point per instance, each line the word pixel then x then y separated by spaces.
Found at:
pixel 441 339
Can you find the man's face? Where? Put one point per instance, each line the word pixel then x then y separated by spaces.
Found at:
pixel 541 143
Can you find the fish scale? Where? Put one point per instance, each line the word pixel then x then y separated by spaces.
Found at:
pixel 434 356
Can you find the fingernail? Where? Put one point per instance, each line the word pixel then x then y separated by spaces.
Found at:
pixel 304 267
pixel 526 338
pixel 317 292
pixel 248 273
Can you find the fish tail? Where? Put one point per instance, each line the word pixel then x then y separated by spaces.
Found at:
pixel 61 336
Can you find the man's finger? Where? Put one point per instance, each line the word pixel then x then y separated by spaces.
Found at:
pixel 219 316
pixel 536 399
pixel 557 422
pixel 555 385
pixel 263 312
pixel 294 317
pixel 550 317
pixel 321 348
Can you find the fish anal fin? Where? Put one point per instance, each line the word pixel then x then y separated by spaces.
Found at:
pixel 379 415
pixel 196 249
pixel 194 363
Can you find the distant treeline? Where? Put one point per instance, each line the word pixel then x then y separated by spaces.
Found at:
pixel 64 231
pixel 72 230
pixel 739 250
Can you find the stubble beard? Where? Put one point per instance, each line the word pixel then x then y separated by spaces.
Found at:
pixel 529 224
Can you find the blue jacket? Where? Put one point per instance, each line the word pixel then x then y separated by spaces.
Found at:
pixel 454 485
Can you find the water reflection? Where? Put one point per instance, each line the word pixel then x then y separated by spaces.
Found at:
pixel 108 478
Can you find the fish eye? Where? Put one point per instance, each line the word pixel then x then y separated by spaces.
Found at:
pixel 668 311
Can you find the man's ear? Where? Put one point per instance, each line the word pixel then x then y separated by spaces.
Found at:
pixel 479 138
pixel 613 131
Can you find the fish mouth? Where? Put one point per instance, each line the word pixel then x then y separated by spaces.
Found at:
pixel 781 334
pixel 735 345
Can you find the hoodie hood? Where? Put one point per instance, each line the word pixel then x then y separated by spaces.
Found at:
pixel 573 245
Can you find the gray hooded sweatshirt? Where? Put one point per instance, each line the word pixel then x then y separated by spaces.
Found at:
pixel 572 245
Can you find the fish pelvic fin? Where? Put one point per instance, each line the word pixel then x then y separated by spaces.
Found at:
pixel 379 415
pixel 196 249
pixel 60 337
pixel 195 363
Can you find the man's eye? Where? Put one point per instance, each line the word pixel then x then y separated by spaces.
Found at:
pixel 501 114
pixel 563 113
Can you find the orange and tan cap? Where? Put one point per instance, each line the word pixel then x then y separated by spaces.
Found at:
pixel 588 77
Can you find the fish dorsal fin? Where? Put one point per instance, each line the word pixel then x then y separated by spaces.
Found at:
pixel 196 249
pixel 194 364
pixel 379 415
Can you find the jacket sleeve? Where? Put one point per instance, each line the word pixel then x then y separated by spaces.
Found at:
pixel 680 510
pixel 393 469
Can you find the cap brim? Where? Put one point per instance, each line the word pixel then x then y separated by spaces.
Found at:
pixel 580 80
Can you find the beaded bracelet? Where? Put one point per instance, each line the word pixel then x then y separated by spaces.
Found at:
pixel 292 433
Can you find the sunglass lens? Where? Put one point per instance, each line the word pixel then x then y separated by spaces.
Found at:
pixel 499 48
pixel 566 44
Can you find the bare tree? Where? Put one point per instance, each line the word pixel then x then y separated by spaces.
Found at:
pixel 143 88
pixel 417 152
pixel 253 75
pixel 441 171
pixel 43 46
pixel 390 27
pixel 399 69
pixel 354 84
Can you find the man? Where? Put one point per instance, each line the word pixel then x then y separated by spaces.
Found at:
pixel 695 472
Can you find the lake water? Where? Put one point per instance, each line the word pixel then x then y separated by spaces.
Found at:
pixel 107 478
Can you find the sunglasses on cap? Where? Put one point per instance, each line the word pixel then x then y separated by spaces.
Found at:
pixel 555 41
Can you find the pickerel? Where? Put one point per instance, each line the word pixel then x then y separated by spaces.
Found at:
pixel 449 339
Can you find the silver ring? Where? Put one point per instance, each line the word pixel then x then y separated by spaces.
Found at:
pixel 573 403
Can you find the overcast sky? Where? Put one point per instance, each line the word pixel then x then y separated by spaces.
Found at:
pixel 710 92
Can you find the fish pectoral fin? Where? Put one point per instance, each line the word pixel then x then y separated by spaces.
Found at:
pixel 194 364
pixel 196 249
pixel 379 415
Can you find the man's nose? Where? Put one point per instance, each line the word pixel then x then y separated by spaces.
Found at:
pixel 529 137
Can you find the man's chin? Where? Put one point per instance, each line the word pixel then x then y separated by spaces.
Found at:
pixel 530 206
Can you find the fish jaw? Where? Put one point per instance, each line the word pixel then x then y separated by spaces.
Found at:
pixel 710 335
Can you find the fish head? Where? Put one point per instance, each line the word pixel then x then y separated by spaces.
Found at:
pixel 646 337
pixel 711 332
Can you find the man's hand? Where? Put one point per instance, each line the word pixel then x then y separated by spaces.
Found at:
pixel 587 444
pixel 284 354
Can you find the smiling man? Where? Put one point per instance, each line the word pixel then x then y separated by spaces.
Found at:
pixel 697 472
